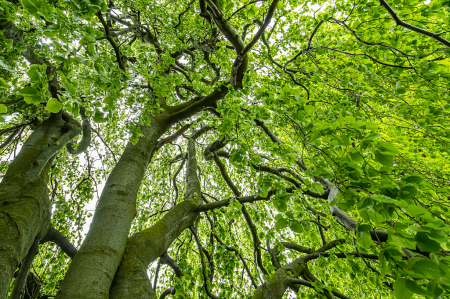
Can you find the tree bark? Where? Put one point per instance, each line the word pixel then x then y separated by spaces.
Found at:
pixel 24 202
pixel 131 280
pixel 92 270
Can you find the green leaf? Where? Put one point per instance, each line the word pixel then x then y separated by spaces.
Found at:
pixel 424 267
pixel 356 157
pixel 416 289
pixel 387 147
pixel 30 6
pixel 318 187
pixel 407 192
pixel 426 244
pixel 385 158
pixel 3 108
pixel 3 84
pixel 53 105
pixel 34 73
pixel 414 179
pixel 70 88
pixel 32 99
pixel 281 223
pixel 400 290
pixel 6 65
pixel 99 117
pixel 296 226
pixel 363 234
pixel 28 91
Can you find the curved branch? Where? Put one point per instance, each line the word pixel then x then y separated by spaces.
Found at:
pixel 181 14
pixel 72 129
pixel 167 260
pixel 55 236
pixel 236 252
pixel 262 28
pixel 86 139
pixel 169 291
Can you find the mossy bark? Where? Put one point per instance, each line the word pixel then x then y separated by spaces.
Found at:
pixel 131 280
pixel 24 202
pixel 277 285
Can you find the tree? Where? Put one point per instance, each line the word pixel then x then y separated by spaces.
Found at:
pixel 259 149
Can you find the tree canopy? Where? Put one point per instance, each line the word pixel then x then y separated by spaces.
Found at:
pixel 224 149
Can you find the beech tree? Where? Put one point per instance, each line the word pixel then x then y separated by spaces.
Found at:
pixel 224 149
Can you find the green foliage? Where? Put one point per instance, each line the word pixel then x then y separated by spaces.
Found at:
pixel 364 104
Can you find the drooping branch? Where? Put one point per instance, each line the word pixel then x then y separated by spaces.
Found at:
pixel 13 128
pixel 297 247
pixel 202 259
pixel 225 175
pixel 169 291
pixel 155 279
pixel 344 218
pixel 236 252
pixel 215 69
pixel 275 139
pixel 86 139
pixel 213 147
pixel 248 219
pixel 242 200
pixel 309 284
pixel 170 138
pixel 181 14
pixel 106 145
pixel 72 128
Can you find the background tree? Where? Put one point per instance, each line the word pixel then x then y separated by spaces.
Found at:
pixel 259 149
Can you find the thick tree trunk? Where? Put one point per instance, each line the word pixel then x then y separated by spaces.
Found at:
pixel 24 202
pixel 131 280
pixel 92 270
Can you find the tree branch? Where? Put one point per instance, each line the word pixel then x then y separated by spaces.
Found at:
pixel 53 235
pixel 86 139
pixel 401 23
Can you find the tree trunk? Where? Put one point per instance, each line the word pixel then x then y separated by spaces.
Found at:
pixel 92 270
pixel 24 203
pixel 131 280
